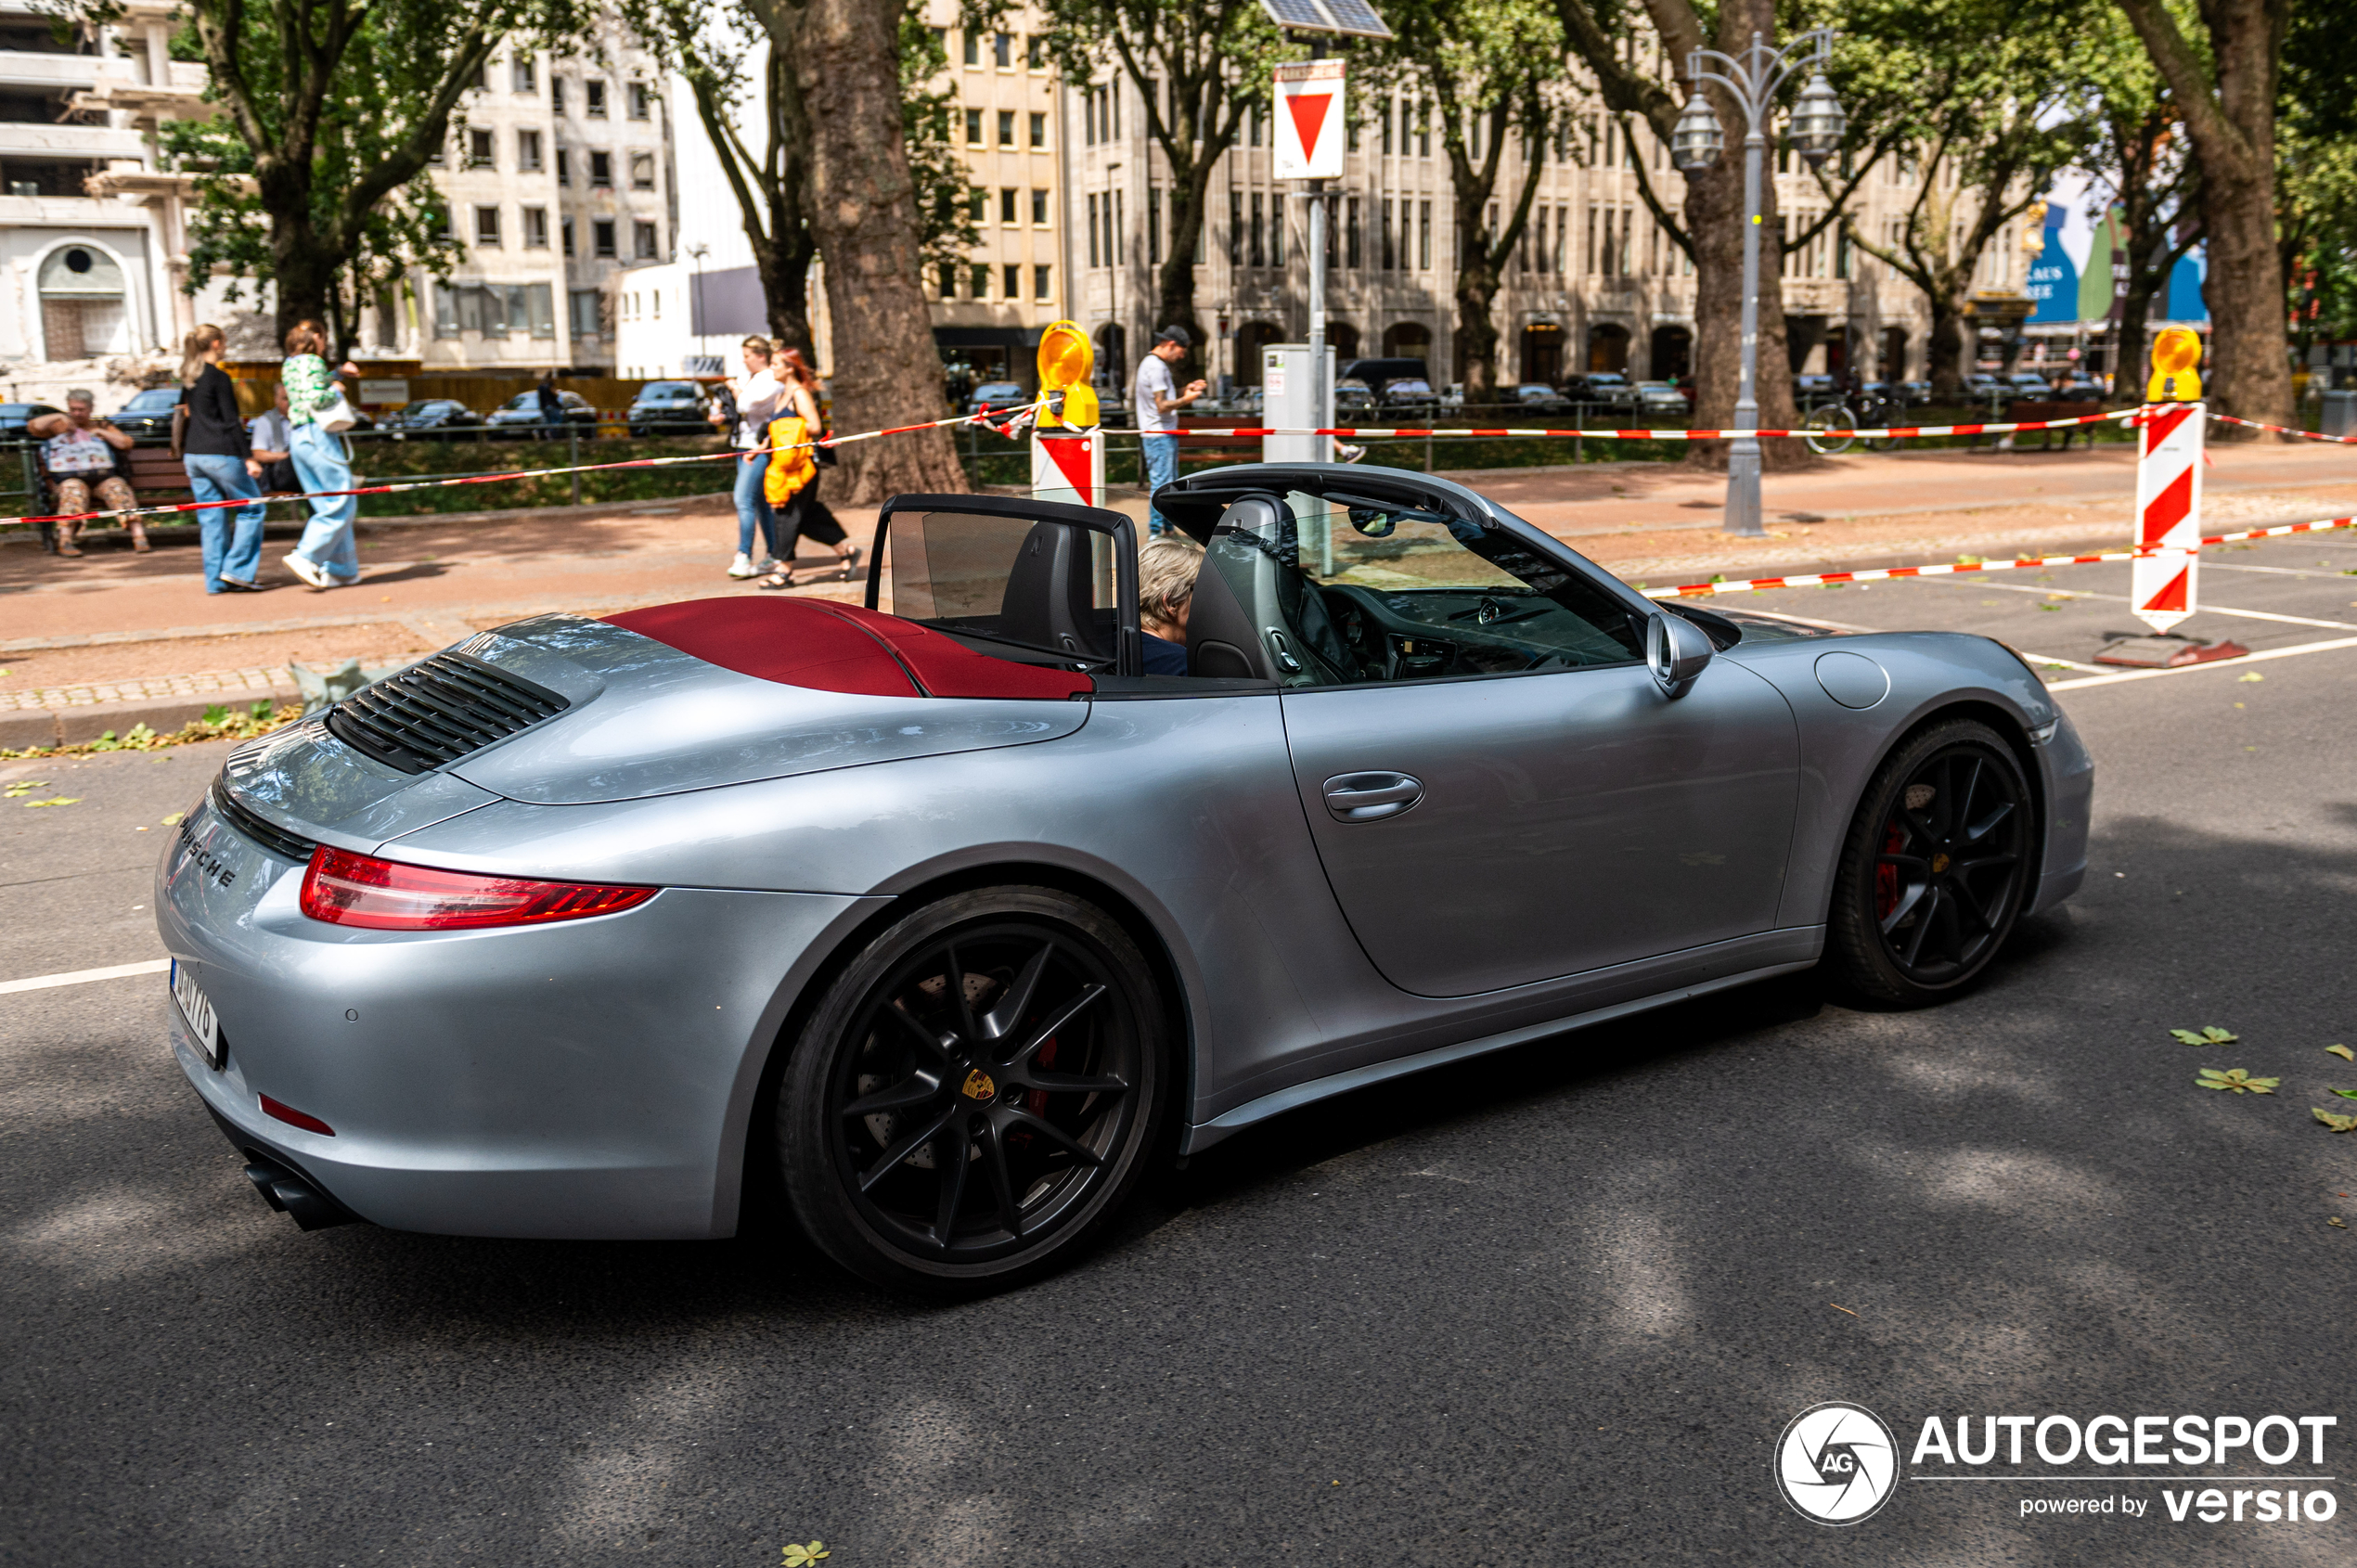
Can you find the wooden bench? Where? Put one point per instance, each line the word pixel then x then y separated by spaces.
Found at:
pixel 2023 410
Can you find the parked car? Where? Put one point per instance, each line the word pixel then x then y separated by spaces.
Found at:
pixel 1608 389
pixel 1661 398
pixel 148 416
pixel 1408 397
pixel 2029 384
pixel 1352 397
pixel 432 418
pixel 1809 391
pixel 519 417
pixel 1379 373
pixel 985 960
pixel 1537 397
pixel 997 396
pixel 1916 393
pixel 14 416
pixel 2083 389
pixel 1981 387
pixel 670 408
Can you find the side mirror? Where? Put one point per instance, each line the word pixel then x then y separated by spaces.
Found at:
pixel 1676 650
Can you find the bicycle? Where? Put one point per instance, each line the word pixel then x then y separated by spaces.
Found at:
pixel 1831 425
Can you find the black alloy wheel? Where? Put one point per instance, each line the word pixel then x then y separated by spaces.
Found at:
pixel 975 1094
pixel 1934 872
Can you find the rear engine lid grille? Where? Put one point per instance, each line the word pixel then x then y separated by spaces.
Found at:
pixel 269 835
pixel 439 709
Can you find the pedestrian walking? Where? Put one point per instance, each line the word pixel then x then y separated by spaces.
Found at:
pixel 791 485
pixel 218 457
pixel 1159 400
pixel 552 407
pixel 81 456
pixel 755 398
pixel 327 554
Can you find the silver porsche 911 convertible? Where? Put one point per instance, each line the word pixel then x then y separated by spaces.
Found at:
pixel 957 922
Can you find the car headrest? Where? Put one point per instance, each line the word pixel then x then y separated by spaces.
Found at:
pixel 1223 637
pixel 1050 599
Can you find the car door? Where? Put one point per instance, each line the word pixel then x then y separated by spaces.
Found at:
pixel 1499 791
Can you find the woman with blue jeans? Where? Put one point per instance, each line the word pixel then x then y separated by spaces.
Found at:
pixel 757 398
pixel 220 466
pixel 328 557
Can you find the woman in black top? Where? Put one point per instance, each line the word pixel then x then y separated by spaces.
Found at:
pixel 220 466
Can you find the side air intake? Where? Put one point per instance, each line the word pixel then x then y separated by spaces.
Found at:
pixel 439 709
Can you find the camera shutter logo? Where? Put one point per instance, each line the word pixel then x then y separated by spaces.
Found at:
pixel 1836 1463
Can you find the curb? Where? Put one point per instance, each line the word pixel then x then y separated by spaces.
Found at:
pixel 79 725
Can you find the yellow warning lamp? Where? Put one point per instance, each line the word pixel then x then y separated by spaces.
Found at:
pixel 2176 358
pixel 1066 359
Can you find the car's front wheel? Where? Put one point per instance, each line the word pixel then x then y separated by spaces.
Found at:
pixel 976 1092
pixel 1935 868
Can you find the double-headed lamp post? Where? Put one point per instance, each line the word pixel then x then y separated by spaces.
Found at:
pixel 1815 132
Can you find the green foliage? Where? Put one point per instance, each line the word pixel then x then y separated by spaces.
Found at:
pixel 2236 1079
pixel 2210 1035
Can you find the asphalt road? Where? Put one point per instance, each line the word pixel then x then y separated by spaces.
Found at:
pixel 1552 1305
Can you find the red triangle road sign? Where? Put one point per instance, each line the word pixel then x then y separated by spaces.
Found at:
pixel 1309 117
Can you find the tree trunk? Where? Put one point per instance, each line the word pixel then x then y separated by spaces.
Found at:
pixel 886 369
pixel 1944 349
pixel 785 290
pixel 301 273
pixel 1175 288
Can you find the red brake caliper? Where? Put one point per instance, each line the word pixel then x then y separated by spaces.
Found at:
pixel 1886 877
pixel 1037 1098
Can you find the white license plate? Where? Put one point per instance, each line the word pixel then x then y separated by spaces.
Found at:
pixel 199 1012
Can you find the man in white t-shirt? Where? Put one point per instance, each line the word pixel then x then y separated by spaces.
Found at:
pixel 1158 399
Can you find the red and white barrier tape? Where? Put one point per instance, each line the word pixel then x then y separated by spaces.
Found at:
pixel 982 417
pixel 1944 569
pixel 2284 429
pixel 1363 432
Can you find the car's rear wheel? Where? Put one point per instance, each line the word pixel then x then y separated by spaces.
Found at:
pixel 1935 868
pixel 976 1092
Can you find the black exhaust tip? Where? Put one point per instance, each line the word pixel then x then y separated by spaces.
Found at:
pixel 291 1194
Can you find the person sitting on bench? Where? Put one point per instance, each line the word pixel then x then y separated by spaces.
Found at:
pixel 80 454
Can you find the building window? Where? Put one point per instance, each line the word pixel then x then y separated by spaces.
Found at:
pixel 564 228
pixel 1252 126
pixel 1154 224
pixel 601 170
pixel 82 303
pixel 593 93
pixel 1038 207
pixel 524 73
pixel 641 102
pixel 478 149
pixel 480 80
pixel 1039 133
pixel 1386 112
pixel 1003 50
pixel 1120 228
pixel 649 246
pixel 947 276
pixel 528 150
pixel 1043 283
pixel 1259 251
pixel 583 304
pixel 1012 279
pixel 556 94
pixel 1424 237
pixel 978 280
pixel 486 225
pixel 1386 257
pixel 974 127
pixel 973 46
pixel 602 232
pixel 977 203
pixel 1351 237
pixel 1235 228
pixel 1092 229
pixel 1036 56
pixel 536 228
pixel 1006 127
pixel 564 167
pixel 643 170
pixel 1007 206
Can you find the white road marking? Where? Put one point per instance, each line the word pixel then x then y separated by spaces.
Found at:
pixel 2205 610
pixel 2214 665
pixel 2066 664
pixel 77 977
pixel 2271 571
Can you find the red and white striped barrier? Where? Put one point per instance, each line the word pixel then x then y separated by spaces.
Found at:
pixel 2284 429
pixel 1946 569
pixel 2165 583
pixel 1069 467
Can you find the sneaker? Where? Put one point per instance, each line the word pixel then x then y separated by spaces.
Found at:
pixel 742 566
pixel 305 570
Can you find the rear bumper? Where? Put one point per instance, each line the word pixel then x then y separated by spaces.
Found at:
pixel 585 1079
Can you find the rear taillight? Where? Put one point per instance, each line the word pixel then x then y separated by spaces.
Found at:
pixel 360 890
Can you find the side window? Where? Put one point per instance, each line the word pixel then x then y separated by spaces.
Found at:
pixel 1348 590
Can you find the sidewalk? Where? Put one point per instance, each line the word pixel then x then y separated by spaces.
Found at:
pixel 73 629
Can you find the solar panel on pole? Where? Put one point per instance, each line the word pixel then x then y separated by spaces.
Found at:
pixel 1356 16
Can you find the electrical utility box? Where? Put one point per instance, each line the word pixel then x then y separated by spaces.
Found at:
pixel 1295 394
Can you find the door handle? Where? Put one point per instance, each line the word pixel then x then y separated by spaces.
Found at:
pixel 1369 797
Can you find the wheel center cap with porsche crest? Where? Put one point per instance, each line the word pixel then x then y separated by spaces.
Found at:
pixel 1938 865
pixel 978 1086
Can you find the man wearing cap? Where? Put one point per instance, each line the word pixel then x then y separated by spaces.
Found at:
pixel 1159 401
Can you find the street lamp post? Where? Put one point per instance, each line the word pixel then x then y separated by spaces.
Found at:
pixel 695 301
pixel 1816 130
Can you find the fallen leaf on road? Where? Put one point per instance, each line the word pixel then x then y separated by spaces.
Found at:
pixel 174 820
pixel 62 799
pixel 2254 675
pixel 2337 1123
pixel 2342 1051
pixel 2335 1223
pixel 2345 1094
pixel 2210 1035
pixel 2238 1079
pixel 1837 1308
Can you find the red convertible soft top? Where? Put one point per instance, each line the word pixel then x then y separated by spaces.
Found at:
pixel 832 647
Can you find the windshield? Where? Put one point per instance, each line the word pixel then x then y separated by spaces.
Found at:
pixel 667 390
pixel 1038 586
pixel 158 398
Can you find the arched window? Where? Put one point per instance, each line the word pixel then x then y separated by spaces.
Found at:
pixel 83 309
pixel 1407 339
